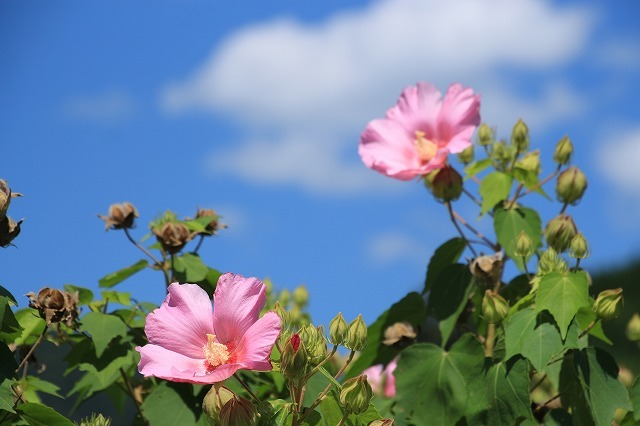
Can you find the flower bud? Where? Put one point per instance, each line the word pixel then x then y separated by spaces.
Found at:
pixel 285 297
pixel 295 315
pixel 356 395
pixel 485 135
pixel 633 328
pixel 563 152
pixel 121 216
pixel 397 332
pixel 239 411
pixel 9 230
pixel 96 420
pixel 294 361
pixel 173 236
pixel 571 185
pixel 494 307
pixel 356 338
pixel 282 313
pixel 213 402
pixel 447 184
pixel 531 162
pixel 560 231
pixel 466 156
pixel 520 136
pixel 608 304
pixel 213 226
pixel 55 306
pixel 501 153
pixel 551 262
pixel 383 422
pixel 524 245
pixel 313 341
pixel 301 296
pixel 579 248
pixel 338 329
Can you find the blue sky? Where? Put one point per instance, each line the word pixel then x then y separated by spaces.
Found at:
pixel 255 109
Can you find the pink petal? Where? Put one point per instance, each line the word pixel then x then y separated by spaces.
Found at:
pixel 374 376
pixel 418 109
pixel 182 322
pixel 238 301
pixel 459 117
pixel 390 379
pixel 254 350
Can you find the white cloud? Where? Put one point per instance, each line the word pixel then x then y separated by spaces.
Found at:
pixel 105 108
pixel 619 161
pixel 393 247
pixel 314 87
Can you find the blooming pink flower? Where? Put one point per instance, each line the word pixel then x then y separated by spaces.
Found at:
pixel 382 381
pixel 419 132
pixel 191 342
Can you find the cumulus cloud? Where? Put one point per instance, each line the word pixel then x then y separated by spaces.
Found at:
pixel 619 162
pixel 315 86
pixel 391 247
pixel 105 108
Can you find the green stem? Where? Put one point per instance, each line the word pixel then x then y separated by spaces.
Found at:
pixel 542 182
pixel 246 387
pixel 33 348
pixel 343 419
pixel 132 395
pixel 455 223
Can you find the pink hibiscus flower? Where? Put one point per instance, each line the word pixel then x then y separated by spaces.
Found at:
pixel 419 132
pixel 382 381
pixel 191 342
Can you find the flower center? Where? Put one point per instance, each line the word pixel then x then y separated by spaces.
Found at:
pixel 214 352
pixel 426 148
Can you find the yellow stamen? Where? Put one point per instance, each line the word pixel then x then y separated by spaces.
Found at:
pixel 426 148
pixel 215 353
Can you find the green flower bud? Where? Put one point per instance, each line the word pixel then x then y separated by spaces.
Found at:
pixel 383 422
pixel 563 152
pixel 571 185
pixel 268 285
pixel 551 262
pixel 284 297
pixel 524 245
pixel 520 136
pixel 560 231
pixel 213 402
pixel 301 296
pixel 96 420
pixel 294 361
pixel 356 338
pixel 239 411
pixel 633 328
pixel 356 394
pixel 338 329
pixel 531 162
pixel 608 304
pixel 447 184
pixel 282 313
pixel 579 248
pixel 295 315
pixel 314 343
pixel 466 156
pixel 494 307
pixel 485 135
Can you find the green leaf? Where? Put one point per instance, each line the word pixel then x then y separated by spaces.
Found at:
pixel 449 296
pixel 332 413
pixel 495 187
pixel 85 296
pixel 509 223
pixel 634 395
pixel 563 296
pixel 445 255
pixel 6 396
pixel 41 415
pixel 434 384
pixel 476 167
pixel 533 336
pixel 123 298
pixel 504 389
pixel 8 363
pixel 200 224
pixel 589 385
pixel 121 275
pixel 9 327
pixel 6 293
pixel 190 267
pixel 529 179
pixel 103 328
pixel 165 406
pixel 32 385
pixel 585 318
pixel 410 309
pixel 32 326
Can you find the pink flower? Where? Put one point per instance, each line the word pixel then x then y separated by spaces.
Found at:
pixel 382 381
pixel 190 342
pixel 419 132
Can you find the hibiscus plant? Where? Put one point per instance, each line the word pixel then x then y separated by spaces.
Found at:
pixel 505 330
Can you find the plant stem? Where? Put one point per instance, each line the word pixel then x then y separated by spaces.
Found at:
pixel 199 244
pixel 141 247
pixel 342 420
pixel 317 367
pixel 488 343
pixel 455 223
pixel 515 196
pixel 246 387
pixel 542 182
pixel 33 348
pixel 538 383
pixel 132 395
pixel 460 219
